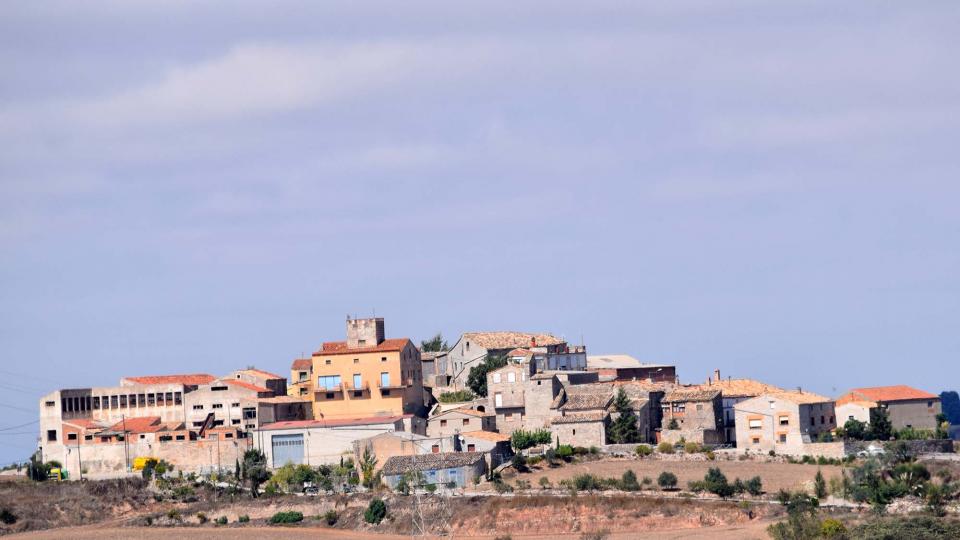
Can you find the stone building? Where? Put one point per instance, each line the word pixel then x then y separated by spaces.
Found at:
pixel 364 376
pixel 474 347
pixel 622 367
pixel 907 407
pixel 734 391
pixel 456 421
pixel 785 422
pixel 692 414
pixel 451 468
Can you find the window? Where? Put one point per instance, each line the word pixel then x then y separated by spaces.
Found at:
pixel 96 403
pixel 822 420
pixel 357 381
pixel 303 376
pixel 151 400
pixel 71 436
pixel 383 358
pixel 51 435
pixel 699 406
pixel 328 382
pixel 574 431
pixel 234 404
pixel 217 388
pixel 132 400
pixel 180 437
pixel 385 393
pixel 498 400
pixel 361 342
pixel 356 360
pixel 303 391
pixel 235 422
pixel 443 423
pixel 217 406
pixel 813 421
pixel 783 437
pixel 123 401
pixel 327 362
pixel 755 440
pixel 169 398
pixel 88 437
pixel 198 407
pixel 496 377
pixel 466 421
pixel 177 398
pixel 218 422
pixel 929 404
pixel 471 447
pixel 435 449
pixel 142 400
pixel 249 413
pixel 755 423
pixel 52 403
pixel 784 420
pixel 831 419
pixel 384 379
pixel 511 377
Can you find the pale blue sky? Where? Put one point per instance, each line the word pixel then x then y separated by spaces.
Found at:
pixel 768 188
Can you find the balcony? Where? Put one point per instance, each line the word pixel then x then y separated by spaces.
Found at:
pixel 328 393
pixel 389 385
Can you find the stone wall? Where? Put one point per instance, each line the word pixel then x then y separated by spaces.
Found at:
pixel 584 434
pixel 702 436
pixel 913 447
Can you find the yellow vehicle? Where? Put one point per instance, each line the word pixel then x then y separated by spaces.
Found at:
pixel 57 474
pixel 141 462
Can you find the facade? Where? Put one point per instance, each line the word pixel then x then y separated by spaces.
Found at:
pixel 785 422
pixel 697 414
pixel 455 468
pixel 364 376
pixel 434 368
pixel 231 402
pixel 394 443
pixel 496 446
pixel 301 378
pixel 316 442
pixel 622 367
pixel 585 410
pixel 854 410
pixel 474 347
pixel 734 391
pixel 456 421
pixel 907 407
pixel 581 428
pixel 257 377
pixel 283 409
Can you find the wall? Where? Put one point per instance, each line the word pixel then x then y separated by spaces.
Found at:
pixel 511 392
pixel 855 410
pixel 386 446
pixel 323 445
pixel 786 419
pixel 914 413
pixel 461 358
pixel 452 422
pixel 702 436
pixel 584 434
pixel 233 401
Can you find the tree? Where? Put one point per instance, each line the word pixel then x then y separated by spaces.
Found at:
pixel 667 480
pixel 880 426
pixel 236 471
pixel 624 428
pixel 628 482
pixel 716 482
pixel 368 462
pixel 855 430
pixel 819 485
pixel 754 486
pixel 255 468
pixel 943 427
pixel 376 511
pixel 673 424
pixel 434 344
pixel 477 378
pixel 521 439
pixel 950 403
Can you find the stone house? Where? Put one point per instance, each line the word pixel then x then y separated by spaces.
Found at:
pixel 581 428
pixel 458 468
pixel 734 391
pixel 695 413
pixel 495 445
pixel 623 367
pixel 854 410
pixel 474 347
pixel 907 407
pixel 392 443
pixel 584 411
pixel 456 421
pixel 785 422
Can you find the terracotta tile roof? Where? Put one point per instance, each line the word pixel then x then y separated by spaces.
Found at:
pixel 430 462
pixel 428 356
pixel 340 347
pixel 800 398
pixel 519 352
pixel 861 403
pixel 491 436
pixel 733 388
pixel 301 364
pixel 580 417
pixel 193 379
pixel 469 412
pixel 338 422
pixel 510 340
pixel 691 393
pixel 285 399
pixel 84 423
pixel 898 392
pixel 261 373
pixel 138 424
pixel 248 386
pixel 585 401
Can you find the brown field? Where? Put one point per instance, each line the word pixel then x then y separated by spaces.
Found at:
pixel 775 476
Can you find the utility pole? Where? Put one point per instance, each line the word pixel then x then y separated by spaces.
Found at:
pixel 126 450
pixel 79 460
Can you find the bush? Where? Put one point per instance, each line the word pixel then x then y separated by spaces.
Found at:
pixel 456 397
pixel 521 439
pixel 565 452
pixel 710 455
pixel 202 518
pixel 222 520
pixel 7 517
pixel 286 517
pixel 523 485
pixel 331 517
pixel 754 486
pixel 544 482
pixel 174 514
pixel 519 463
pixel 376 511
pixel 244 519
pixel 832 528
pixel 667 480
pixel 586 482
pixel 501 487
pixel 926 528
pixel 692 448
pixel 533 460
pixel 643 450
pixel 716 483
pixel 665 448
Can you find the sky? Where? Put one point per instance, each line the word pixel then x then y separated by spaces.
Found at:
pixel 766 188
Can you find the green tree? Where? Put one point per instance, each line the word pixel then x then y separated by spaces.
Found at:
pixel 477 378
pixel 880 426
pixel 628 482
pixel 376 511
pixel 855 430
pixel 943 427
pixel 522 439
pixel 673 424
pixel 236 470
pixel 819 485
pixel 950 403
pixel 623 430
pixel 716 482
pixel 255 467
pixel 434 344
pixel 667 480
pixel 368 462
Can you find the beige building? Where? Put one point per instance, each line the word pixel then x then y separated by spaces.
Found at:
pixel 363 377
pixel 784 422
pixel 906 407
pixel 734 391
pixel 456 421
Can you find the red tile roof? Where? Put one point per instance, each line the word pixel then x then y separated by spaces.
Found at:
pixel 248 386
pixel 262 373
pixel 338 422
pixel 193 379
pixel 302 364
pixel 340 347
pixel 898 392
pixel 139 424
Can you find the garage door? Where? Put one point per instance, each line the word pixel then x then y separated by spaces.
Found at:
pixel 287 449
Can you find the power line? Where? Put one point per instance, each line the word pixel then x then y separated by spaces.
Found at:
pixel 20 426
pixel 18 433
pixel 14 407
pixel 24 375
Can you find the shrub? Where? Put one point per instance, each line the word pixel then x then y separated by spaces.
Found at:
pixel 832 528
pixel 673 424
pixel 544 482
pixel 667 480
pixel 286 517
pixel 456 397
pixel 716 483
pixel 647 481
pixel 222 520
pixel 565 452
pixel 501 487
pixel 710 455
pixel 754 486
pixel 523 485
pixel 244 519
pixel 522 439
pixel 202 518
pixel 692 448
pixel 697 486
pixel 580 450
pixel 519 463
pixel 628 482
pixel 533 460
pixel 586 482
pixel 376 511
pixel 7 517
pixel 819 485
pixel 331 517
pixel 643 450
pixel 174 514
pixel 665 448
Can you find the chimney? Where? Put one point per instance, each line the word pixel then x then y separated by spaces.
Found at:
pixel 716 375
pixel 533 341
pixel 799 389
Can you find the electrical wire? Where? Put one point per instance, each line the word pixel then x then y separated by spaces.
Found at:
pixel 20 425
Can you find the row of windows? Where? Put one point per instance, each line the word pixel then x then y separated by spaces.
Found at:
pixel 214 406
pixel 511 377
pixel 95 403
